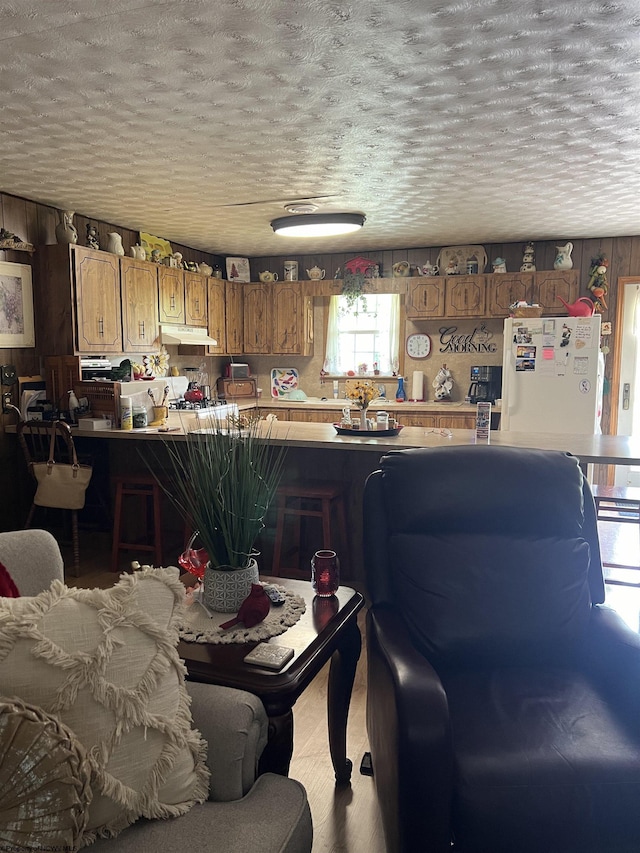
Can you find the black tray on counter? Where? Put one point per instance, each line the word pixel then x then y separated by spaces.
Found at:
pixel 368 433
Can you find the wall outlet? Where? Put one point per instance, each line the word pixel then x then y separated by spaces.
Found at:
pixel 6 402
pixel 8 374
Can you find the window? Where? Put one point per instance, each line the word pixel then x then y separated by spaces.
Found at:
pixel 366 333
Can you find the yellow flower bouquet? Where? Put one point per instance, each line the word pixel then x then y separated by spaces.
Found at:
pixel 361 393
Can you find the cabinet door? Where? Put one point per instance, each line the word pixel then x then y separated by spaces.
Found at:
pixel 257 318
pixel 312 416
pixel 216 315
pixel 195 299
pixel 139 305
pixel 507 288
pixel 234 317
pixel 465 296
pixel 98 314
pixel 425 298
pixel 467 421
pixel 416 419
pixel 171 290
pixel 292 312
pixel 550 284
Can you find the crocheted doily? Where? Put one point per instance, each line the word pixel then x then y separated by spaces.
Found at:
pixel 200 627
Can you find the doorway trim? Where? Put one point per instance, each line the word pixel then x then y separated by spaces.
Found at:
pixel 616 368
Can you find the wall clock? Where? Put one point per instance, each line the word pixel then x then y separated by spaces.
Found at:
pixel 418 345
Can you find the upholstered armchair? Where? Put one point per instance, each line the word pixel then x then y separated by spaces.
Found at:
pixel 243 812
pixel 503 705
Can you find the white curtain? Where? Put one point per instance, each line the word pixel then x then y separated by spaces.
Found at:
pixel 389 343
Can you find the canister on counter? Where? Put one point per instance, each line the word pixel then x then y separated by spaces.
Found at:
pixel 382 419
pixel 140 418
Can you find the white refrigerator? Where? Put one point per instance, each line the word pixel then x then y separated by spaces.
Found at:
pixel 552 375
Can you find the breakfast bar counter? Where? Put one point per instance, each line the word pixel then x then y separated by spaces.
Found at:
pixel 316 451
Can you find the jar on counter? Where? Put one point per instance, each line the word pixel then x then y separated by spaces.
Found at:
pixel 140 418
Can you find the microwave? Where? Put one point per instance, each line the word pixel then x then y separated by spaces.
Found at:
pixel 234 370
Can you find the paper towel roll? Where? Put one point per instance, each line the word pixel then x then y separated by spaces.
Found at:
pixel 417 385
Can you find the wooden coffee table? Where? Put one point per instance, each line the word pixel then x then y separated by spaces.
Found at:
pixel 328 629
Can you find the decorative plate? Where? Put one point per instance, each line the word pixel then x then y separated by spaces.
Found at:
pixel 368 433
pixel 283 380
pixel 458 256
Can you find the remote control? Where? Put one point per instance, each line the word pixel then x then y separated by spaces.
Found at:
pixel 276 597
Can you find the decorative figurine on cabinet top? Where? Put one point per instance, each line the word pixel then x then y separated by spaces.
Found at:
pixel 92 237
pixel 499 265
pixel 528 259
pixel 65 229
pixel 563 258
pixel 598 282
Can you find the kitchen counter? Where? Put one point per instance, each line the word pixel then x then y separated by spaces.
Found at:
pixel 387 405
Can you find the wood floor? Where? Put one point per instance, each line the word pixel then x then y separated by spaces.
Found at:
pixel 345 820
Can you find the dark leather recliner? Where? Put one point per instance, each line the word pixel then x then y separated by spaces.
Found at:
pixel 503 705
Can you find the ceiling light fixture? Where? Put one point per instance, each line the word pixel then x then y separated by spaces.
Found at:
pixel 318 224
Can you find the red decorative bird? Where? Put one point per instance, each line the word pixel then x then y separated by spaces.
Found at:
pixel 252 610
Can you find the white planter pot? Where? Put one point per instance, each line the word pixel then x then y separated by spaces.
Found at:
pixel 224 592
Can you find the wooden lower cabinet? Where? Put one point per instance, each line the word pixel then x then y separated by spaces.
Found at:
pixel 313 416
pixel 436 421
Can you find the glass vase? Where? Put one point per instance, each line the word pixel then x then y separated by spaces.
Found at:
pixel 325 573
pixel 363 419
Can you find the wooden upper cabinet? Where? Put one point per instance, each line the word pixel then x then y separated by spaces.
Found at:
pixel 465 296
pixel 292 319
pixel 216 315
pixel 257 318
pixel 139 305
pixel 171 295
pixel 97 298
pixel 505 289
pixel 195 299
pixel 550 284
pixel 234 317
pixel 425 297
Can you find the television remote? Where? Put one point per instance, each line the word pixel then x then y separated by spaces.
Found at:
pixel 276 597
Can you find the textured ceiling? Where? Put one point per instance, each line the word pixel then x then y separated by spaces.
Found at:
pixel 444 122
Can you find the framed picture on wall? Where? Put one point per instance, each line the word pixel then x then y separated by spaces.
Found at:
pixel 238 269
pixel 16 306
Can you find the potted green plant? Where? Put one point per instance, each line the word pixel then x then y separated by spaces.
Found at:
pixel 223 480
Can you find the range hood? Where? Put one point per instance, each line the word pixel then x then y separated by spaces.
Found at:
pixel 189 335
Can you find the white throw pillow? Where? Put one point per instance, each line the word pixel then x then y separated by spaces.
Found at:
pixel 105 663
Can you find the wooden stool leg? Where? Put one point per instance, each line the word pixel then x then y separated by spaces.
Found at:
pixel 76 543
pixel 277 547
pixel 27 523
pixel 117 525
pixel 340 509
pixel 326 525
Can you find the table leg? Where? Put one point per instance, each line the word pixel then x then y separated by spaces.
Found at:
pixel 341 676
pixel 276 757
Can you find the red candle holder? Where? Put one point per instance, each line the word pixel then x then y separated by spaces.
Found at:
pixel 325 573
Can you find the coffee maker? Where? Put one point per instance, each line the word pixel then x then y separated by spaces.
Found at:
pixel 486 384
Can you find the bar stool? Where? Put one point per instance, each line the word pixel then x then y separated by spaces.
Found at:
pixel 149 493
pixel 322 499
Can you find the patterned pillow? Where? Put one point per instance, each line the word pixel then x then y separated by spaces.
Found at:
pixel 105 663
pixel 44 781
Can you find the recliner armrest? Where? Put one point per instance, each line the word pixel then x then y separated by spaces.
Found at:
pixel 410 736
pixel 611 653
pixel 234 724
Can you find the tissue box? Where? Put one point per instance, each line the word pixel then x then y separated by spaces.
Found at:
pixel 93 424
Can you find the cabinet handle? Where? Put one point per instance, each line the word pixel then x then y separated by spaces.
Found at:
pixel 101 327
pixel 172 302
pixel 197 305
pixel 141 328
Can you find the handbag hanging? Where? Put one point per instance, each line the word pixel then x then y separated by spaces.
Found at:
pixel 61 485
